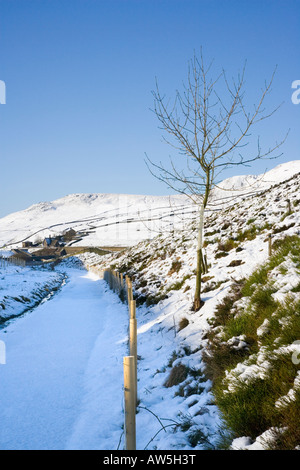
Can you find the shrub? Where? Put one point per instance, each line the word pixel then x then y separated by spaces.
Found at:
pixel 227 245
pixel 178 285
pixel 183 323
pixel 236 262
pixel 154 299
pixel 177 375
pixel 252 406
pixel 175 267
pixel 248 234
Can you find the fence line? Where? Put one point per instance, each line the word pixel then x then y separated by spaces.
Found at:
pixel 123 287
pixel 4 262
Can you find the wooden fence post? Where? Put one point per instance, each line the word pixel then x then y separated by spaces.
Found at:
pixel 270 244
pixel 129 292
pixel 132 309
pixel 133 351
pixel 130 405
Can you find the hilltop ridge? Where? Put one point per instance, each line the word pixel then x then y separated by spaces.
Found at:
pixel 126 219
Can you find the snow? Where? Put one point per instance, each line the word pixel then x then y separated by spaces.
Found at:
pixel 100 219
pixel 291 395
pixel 21 288
pixel 261 443
pixel 62 384
pixel 243 185
pixel 126 219
pixel 60 360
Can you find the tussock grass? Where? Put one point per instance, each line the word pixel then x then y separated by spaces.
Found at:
pixel 184 322
pixel 177 375
pixel 255 403
pixel 227 245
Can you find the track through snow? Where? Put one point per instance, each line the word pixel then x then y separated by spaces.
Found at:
pixel 62 384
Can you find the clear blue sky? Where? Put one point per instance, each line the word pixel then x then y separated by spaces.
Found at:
pixel 79 76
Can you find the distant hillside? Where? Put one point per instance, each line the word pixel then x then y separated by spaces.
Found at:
pixel 121 219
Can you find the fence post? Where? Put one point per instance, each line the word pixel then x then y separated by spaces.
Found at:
pixel 270 244
pixel 119 281
pixel 129 292
pixel 132 309
pixel 130 405
pixel 133 351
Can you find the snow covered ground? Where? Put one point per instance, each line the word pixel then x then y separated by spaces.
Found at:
pixel 236 244
pixel 101 219
pixel 61 386
pixel 22 288
pixel 72 345
pixel 123 219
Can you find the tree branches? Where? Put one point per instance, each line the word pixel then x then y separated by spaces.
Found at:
pixel 207 123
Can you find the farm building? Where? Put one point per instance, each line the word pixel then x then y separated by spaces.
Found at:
pixel 69 234
pixel 24 256
pixel 46 254
pixel 52 242
pixel 27 244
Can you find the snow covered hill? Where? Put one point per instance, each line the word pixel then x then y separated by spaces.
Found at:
pixel 98 219
pixel 179 351
pixel 175 342
pixel 241 186
pixel 121 219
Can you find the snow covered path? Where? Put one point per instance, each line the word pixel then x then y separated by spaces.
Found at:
pixel 57 388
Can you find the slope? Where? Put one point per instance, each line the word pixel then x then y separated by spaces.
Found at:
pixel 122 219
pixel 173 380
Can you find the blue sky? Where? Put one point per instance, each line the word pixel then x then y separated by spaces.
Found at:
pixel 79 76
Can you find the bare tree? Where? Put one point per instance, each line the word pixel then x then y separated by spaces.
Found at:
pixel 209 130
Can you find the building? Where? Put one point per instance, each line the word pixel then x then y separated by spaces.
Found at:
pixel 22 257
pixel 51 242
pixel 27 244
pixel 49 253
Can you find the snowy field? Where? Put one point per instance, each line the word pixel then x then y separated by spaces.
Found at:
pixel 72 348
pixel 22 288
pixel 123 219
pixel 61 386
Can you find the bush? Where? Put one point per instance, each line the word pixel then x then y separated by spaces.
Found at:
pixel 183 323
pixel 227 245
pixel 175 267
pixel 252 406
pixel 177 375
pixel 248 234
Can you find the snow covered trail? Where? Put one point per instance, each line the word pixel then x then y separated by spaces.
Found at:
pixel 61 386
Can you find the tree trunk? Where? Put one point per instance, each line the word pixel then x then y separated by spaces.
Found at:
pixel 197 299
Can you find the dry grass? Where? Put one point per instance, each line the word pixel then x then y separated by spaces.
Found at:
pixel 183 323
pixel 177 375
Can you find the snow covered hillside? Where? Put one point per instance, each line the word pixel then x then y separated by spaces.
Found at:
pixel 175 344
pixel 121 219
pixel 98 219
pixel 197 371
